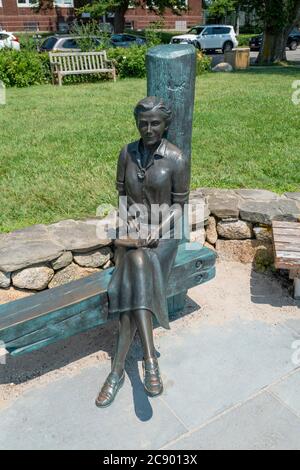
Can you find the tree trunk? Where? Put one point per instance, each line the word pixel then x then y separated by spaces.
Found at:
pixel 274 47
pixel 119 21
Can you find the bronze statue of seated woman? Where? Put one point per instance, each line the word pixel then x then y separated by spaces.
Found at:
pixel 151 172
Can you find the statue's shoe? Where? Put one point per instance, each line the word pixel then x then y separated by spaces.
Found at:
pixel 110 388
pixel 152 380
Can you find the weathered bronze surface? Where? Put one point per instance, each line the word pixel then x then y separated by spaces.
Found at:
pixel 151 171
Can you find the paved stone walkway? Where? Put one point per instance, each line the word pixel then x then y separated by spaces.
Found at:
pixel 232 383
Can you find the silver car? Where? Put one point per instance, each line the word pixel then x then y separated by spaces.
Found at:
pixel 65 43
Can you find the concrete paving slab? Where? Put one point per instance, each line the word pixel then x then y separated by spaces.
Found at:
pixel 63 416
pixel 260 424
pixel 288 391
pixel 294 324
pixel 209 369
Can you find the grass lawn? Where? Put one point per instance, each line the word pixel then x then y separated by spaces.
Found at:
pixel 59 146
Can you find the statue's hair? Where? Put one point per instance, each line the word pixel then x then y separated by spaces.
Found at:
pixel 153 103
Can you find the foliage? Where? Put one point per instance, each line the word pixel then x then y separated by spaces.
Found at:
pixel 219 9
pixel 275 14
pixel 244 39
pixel 86 36
pixel 130 62
pixel 152 33
pixel 99 7
pixel 203 63
pixel 23 68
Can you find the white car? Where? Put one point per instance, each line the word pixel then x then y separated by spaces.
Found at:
pixel 210 37
pixel 9 40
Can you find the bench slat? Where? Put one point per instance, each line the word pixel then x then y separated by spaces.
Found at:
pixel 283 224
pixel 33 322
pixel 282 246
pixel 286 237
pixel 286 232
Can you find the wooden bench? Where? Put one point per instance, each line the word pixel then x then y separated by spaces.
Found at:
pixel 78 63
pixel 286 237
pixel 33 322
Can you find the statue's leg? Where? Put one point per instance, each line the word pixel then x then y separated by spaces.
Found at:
pixel 144 323
pixel 152 379
pixel 127 329
pixel 115 379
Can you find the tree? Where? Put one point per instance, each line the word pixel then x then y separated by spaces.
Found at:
pixel 120 7
pixel 279 18
pixel 219 9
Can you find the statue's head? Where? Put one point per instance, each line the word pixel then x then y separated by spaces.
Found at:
pixel 153 117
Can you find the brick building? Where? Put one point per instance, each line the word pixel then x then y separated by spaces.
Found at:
pixel 18 15
pixel 140 18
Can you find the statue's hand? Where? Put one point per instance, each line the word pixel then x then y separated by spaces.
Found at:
pixel 131 242
pixel 152 242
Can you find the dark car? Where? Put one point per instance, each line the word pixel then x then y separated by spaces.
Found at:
pixel 126 40
pixel 292 43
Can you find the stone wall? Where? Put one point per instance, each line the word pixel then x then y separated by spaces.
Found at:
pixel 237 223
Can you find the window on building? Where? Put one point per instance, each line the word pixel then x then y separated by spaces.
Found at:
pixel 26 3
pixel 64 3
pixel 60 3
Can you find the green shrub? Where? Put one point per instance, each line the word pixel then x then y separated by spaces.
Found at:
pixel 23 68
pixel 130 62
pixel 203 63
pixel 244 39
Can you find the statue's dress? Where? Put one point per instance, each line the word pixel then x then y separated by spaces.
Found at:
pixel 140 278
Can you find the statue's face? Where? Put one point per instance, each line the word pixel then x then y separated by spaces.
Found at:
pixel 151 125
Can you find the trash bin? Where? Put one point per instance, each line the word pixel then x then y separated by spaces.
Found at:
pixel 238 58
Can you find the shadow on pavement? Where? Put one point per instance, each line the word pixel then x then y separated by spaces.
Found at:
pixel 272 288
pixel 101 340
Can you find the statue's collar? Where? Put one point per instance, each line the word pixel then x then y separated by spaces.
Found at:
pixel 137 148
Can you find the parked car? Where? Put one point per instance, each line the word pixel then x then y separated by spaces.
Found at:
pixel 127 40
pixel 292 43
pixel 64 43
pixel 72 43
pixel 210 37
pixel 9 40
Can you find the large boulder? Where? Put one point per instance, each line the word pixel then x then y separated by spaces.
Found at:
pixel 34 278
pixel 94 259
pixel 211 231
pixel 63 261
pixel 77 236
pixel 70 273
pixel 257 195
pixel 23 248
pixel 262 212
pixel 235 229
pixel 223 67
pixel 295 196
pixel 244 251
pixel 223 203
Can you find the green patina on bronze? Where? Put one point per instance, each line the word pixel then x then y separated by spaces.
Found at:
pixel 171 73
